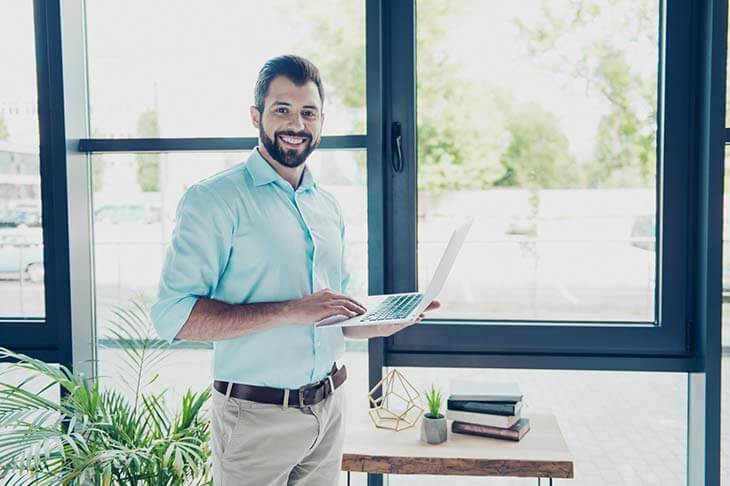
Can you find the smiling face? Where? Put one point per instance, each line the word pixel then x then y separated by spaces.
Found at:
pixel 290 124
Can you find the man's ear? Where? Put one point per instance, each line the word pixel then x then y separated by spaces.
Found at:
pixel 255 116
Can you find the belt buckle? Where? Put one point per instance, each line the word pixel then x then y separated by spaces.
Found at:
pixel 304 388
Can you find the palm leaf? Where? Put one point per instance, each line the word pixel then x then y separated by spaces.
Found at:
pixel 95 434
pixel 143 350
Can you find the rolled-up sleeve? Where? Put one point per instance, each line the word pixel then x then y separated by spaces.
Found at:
pixel 197 256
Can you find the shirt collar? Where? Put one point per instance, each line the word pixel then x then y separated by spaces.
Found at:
pixel 263 173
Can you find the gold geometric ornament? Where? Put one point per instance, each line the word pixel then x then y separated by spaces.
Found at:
pixel 396 408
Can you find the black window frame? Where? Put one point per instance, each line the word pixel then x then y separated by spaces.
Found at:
pixel 664 344
pixel 49 337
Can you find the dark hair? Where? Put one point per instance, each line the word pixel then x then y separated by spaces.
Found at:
pixel 297 69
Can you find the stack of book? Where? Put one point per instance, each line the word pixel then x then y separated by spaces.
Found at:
pixel 488 410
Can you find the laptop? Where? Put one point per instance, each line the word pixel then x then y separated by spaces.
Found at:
pixel 406 307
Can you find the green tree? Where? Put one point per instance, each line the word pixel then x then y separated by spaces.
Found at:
pixel 465 131
pixel 538 155
pixel 148 165
pixel 625 151
pixel 462 127
pixel 4 134
pixel 98 164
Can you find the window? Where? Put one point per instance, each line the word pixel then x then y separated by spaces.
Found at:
pixel 195 65
pixel 198 85
pixel 539 119
pixel 577 178
pixel 21 235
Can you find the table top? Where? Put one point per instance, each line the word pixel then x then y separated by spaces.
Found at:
pixel 542 452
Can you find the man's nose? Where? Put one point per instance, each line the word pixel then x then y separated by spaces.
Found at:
pixel 296 122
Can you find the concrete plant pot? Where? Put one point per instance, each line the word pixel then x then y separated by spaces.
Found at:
pixel 433 430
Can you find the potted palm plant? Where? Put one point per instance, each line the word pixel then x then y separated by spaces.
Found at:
pixel 95 435
pixel 433 425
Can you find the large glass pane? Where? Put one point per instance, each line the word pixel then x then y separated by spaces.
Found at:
pixel 622 428
pixel 196 64
pixel 538 118
pixel 21 238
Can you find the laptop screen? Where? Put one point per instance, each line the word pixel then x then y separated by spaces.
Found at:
pixel 447 260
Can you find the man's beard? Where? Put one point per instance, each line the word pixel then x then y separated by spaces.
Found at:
pixel 288 158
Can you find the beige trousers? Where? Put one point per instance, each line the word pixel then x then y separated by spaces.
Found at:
pixel 261 444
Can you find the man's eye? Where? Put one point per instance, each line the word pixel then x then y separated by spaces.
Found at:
pixel 310 114
pixel 281 110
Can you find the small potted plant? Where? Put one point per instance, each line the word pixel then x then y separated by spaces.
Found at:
pixel 433 425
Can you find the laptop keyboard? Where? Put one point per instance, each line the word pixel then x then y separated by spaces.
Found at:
pixel 394 307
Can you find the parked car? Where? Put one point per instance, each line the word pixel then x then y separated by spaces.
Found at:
pixel 21 256
pixel 127 213
pixel 643 235
pixel 643 232
pixel 20 217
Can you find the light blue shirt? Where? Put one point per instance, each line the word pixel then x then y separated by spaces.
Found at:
pixel 245 236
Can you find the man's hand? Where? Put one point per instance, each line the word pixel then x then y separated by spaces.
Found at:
pixel 384 330
pixel 320 305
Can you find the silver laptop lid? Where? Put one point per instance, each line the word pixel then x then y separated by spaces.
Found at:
pixel 447 261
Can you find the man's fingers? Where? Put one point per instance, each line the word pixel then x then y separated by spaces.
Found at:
pixel 435 304
pixel 357 304
pixel 338 297
pixel 390 329
pixel 349 305
pixel 342 310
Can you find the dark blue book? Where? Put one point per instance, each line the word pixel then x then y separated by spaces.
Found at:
pixel 488 391
pixel 492 408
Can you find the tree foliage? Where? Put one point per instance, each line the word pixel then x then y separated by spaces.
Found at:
pixel 4 134
pixel 538 155
pixel 625 151
pixel 148 165
pixel 474 135
pixel 98 164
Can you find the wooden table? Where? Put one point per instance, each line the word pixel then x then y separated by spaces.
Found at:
pixel 542 452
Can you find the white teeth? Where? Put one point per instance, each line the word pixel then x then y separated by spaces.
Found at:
pixel 292 140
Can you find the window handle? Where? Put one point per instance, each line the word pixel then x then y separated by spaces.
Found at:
pixel 397 159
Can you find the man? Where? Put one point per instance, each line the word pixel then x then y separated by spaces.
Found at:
pixel 257 257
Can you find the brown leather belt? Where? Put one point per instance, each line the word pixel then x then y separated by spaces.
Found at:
pixel 299 397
